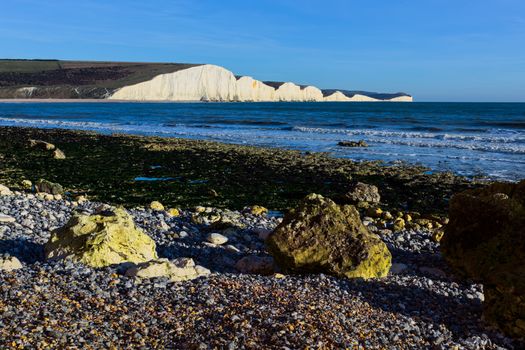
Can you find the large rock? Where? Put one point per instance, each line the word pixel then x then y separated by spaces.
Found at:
pixel 485 241
pixel 181 269
pixel 321 236
pixel 106 238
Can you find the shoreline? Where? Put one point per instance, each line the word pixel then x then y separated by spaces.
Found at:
pixel 224 175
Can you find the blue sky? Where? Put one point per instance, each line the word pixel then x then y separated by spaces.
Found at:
pixel 437 50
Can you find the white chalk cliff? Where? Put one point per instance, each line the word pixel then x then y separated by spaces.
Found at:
pixel 213 83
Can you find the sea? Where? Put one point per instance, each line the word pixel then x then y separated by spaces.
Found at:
pixel 470 139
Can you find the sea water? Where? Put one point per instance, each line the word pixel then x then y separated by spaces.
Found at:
pixel 470 139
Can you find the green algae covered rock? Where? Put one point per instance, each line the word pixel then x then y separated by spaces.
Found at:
pixel 485 240
pixel 321 236
pixel 45 186
pixel 102 239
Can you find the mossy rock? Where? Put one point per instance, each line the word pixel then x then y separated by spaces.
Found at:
pixel 45 186
pixel 102 239
pixel 320 236
pixel 485 241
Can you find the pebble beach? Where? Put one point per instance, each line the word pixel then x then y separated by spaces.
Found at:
pixel 69 305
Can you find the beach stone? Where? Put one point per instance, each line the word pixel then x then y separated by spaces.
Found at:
pixel 217 238
pixel 485 241
pixel 321 236
pixel 58 154
pixel 5 191
pixel 26 184
pixel 181 269
pixel 255 265
pixel 101 239
pixel 156 205
pixel 9 263
pixel 256 210
pixel 174 212
pixel 45 186
pixel 437 235
pixel 387 215
pixel 6 218
pixel 363 193
pixel 218 219
pixel 43 145
pixel 81 199
pixel 399 224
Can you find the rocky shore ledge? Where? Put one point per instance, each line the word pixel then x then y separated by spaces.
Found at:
pixel 349 255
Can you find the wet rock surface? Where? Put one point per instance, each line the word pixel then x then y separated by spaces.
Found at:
pixel 485 240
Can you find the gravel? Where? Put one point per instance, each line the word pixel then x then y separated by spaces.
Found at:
pixel 421 305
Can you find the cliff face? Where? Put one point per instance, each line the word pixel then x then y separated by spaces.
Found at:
pixel 157 82
pixel 214 83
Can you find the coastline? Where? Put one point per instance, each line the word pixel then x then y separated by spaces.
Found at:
pixel 223 175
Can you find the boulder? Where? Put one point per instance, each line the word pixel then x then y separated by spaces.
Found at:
pixel 255 265
pixel 321 236
pixel 44 186
pixel 105 238
pixel 9 263
pixel 362 193
pixel 485 241
pixel 181 269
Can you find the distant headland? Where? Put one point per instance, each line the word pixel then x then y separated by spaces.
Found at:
pixel 137 81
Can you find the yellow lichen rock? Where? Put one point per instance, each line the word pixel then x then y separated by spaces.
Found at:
pixel 156 205
pixel 399 224
pixel 181 269
pixel 256 210
pixel 174 212
pixel 321 236
pixel 106 238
